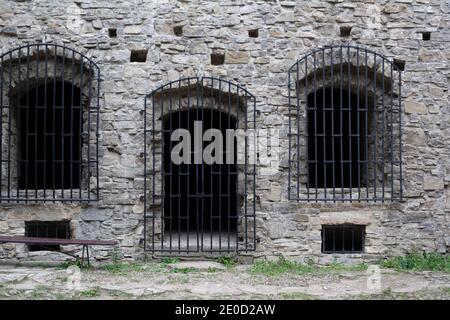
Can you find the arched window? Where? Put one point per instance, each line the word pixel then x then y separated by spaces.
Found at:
pixel 199 184
pixel 345 126
pixel 49 103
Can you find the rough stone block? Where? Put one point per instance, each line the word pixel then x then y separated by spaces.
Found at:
pixel 433 183
pixel 236 57
pixel 132 30
pixel 415 107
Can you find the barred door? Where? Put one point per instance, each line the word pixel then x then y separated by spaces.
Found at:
pixel 199 184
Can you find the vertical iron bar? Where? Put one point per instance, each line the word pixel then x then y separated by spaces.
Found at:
pixel 145 171
pixel 324 115
pixel 163 189
pixel 89 160
pixel 197 200
pixel 367 133
pixel 54 125
pixel 297 98
pixel 36 113
pixel 97 187
pixel 71 125
pixel 27 130
pixel 400 129
pixel 18 130
pixel 236 180
pixel 62 122
pixel 154 177
pixel 254 178
pixel 392 131
pixel 171 169
pixel 333 163
pixel 228 166
pixel 358 132
pixel 179 171
pixel 382 129
pixel 154 174
pixel 1 128
pixel 375 128
pixel 80 134
pixel 349 110
pixel 188 177
pixel 316 161
pixel 219 166
pixel 289 135
pixel 341 116
pixel 308 183
pixel 210 194
pixel 45 135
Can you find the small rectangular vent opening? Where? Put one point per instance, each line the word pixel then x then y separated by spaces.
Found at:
pixel 399 64
pixel 343 238
pixel 47 229
pixel 178 30
pixel 426 36
pixel 253 33
pixel 138 55
pixel 345 31
pixel 112 32
pixel 217 59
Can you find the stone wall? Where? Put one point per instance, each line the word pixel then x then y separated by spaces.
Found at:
pixel 180 37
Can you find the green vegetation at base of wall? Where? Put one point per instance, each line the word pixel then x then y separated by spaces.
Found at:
pixel 418 261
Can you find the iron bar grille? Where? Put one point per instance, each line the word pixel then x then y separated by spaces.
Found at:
pixel 49 106
pixel 344 238
pixel 198 207
pixel 345 126
pixel 47 229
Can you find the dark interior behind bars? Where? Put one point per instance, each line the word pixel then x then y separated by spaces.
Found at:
pixel 199 196
pixel 49 125
pixel 336 139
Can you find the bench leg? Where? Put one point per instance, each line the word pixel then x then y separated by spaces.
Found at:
pixel 85 247
pixel 87 255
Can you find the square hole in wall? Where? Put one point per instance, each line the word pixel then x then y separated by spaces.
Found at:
pixel 399 64
pixel 178 30
pixel 253 33
pixel 426 36
pixel 47 229
pixel 139 55
pixel 112 32
pixel 217 58
pixel 343 238
pixel 345 31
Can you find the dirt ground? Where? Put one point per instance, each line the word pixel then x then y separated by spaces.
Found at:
pixel 209 280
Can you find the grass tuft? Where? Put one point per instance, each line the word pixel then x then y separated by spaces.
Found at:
pixel 90 293
pixel 123 267
pixel 283 266
pixel 227 261
pixel 418 261
pixel 169 260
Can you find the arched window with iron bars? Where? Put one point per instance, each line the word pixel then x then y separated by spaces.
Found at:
pixel 345 126
pixel 49 106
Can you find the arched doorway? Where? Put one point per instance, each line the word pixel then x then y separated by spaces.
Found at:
pixel 193 204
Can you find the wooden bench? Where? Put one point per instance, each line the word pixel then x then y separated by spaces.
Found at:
pixel 55 241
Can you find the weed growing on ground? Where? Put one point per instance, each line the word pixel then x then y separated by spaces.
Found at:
pixel 227 261
pixel 124 267
pixel 418 261
pixel 77 263
pixel 283 266
pixel 91 293
pixel 169 260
